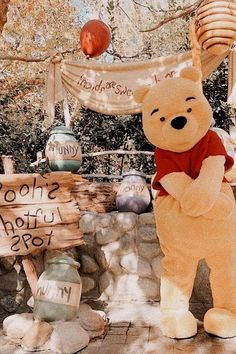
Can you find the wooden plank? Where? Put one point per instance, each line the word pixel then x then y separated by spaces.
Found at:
pixel 96 197
pixel 27 241
pixel 30 217
pixel 34 188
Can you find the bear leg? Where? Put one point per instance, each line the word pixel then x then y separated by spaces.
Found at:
pixel 176 287
pixel 221 319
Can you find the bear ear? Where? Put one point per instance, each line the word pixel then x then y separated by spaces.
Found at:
pixel 191 73
pixel 140 93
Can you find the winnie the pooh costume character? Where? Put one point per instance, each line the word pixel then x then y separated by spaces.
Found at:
pixel 195 209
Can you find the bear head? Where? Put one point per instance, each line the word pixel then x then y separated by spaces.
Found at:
pixel 176 114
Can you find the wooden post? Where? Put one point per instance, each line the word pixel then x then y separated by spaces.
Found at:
pixel 28 266
pixel 8 164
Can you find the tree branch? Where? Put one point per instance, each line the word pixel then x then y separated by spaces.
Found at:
pixel 187 10
pixel 41 160
pixel 151 9
pixel 118 152
pixel 115 54
pixel 108 176
pixel 35 60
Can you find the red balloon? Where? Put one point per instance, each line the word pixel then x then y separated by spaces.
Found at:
pixel 95 37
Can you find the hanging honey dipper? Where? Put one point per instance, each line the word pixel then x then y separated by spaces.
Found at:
pixel 215 25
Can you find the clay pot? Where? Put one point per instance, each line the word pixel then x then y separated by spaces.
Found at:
pixel 58 290
pixel 133 194
pixel 63 151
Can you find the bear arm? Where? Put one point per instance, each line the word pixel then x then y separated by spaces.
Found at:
pixel 175 183
pixel 203 192
pixel 211 174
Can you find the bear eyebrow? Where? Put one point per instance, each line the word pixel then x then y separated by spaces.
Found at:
pixel 154 111
pixel 190 98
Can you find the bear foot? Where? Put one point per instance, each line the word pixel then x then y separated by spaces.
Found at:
pixel 179 324
pixel 220 322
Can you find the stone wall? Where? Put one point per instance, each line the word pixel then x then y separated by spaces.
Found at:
pixel 121 260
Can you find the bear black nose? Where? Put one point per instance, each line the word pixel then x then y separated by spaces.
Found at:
pixel 178 122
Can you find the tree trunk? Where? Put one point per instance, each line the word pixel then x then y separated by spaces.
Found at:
pixel 3 13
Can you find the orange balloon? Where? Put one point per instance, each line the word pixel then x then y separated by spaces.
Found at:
pixel 95 37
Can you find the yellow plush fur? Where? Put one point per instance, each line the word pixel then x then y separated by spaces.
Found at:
pixel 197 219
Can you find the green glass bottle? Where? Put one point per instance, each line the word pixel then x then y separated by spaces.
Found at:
pixel 58 290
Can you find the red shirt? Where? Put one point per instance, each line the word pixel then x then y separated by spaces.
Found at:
pixel 189 161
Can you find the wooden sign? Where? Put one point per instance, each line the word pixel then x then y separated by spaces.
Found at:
pixel 37 212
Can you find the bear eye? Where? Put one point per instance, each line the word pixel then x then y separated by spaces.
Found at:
pixel 190 98
pixel 154 111
pixel 189 110
pixel 162 119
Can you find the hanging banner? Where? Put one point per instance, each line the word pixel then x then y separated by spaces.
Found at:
pixel 108 88
pixel 37 212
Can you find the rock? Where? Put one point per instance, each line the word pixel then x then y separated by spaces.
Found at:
pixel 90 320
pixel 9 281
pixel 143 267
pixel 88 264
pixel 68 337
pixel 105 220
pixel 8 262
pixel 150 288
pixel 102 314
pixel 114 265
pixel 37 335
pixel 87 223
pixel 146 219
pixel 126 243
pixel 16 326
pixel 106 283
pixel 101 259
pixel 129 263
pixel 126 221
pixel 87 284
pixel 148 250
pixel 89 247
pixel 110 250
pixel 9 303
pixel 147 233
pixel 126 288
pixel 72 252
pixel 157 266
pixel 104 236
pixel 83 308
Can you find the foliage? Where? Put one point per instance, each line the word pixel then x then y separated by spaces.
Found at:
pixel 21 128
pixel 98 132
pixel 215 89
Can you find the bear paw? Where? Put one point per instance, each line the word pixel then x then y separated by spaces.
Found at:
pixel 222 208
pixel 178 324
pixel 220 322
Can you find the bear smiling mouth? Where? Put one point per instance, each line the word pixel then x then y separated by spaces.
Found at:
pixel 179 122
